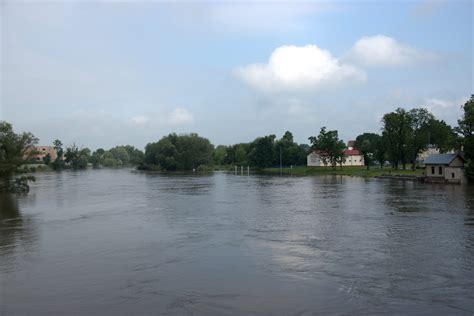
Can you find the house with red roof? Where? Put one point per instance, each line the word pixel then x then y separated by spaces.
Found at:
pixel 353 157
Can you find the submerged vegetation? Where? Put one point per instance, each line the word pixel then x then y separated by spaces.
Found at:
pixel 13 153
pixel 404 135
pixel 178 153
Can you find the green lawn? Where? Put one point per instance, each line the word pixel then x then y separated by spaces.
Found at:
pixel 349 171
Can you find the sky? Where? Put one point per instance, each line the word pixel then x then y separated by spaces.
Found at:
pixel 107 73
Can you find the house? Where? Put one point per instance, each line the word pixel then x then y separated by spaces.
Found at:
pixel 353 158
pixel 315 158
pixel 444 168
pixel 38 153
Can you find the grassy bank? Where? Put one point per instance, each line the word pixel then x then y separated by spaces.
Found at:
pixel 348 171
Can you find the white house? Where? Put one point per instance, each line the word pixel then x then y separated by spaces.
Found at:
pixel 353 158
pixel 314 159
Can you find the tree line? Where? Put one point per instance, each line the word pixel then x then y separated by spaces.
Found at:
pixel 403 136
pixel 77 158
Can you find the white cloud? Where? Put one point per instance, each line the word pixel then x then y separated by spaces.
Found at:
pixel 381 50
pixel 140 119
pixel 448 109
pixel 291 68
pixel 180 116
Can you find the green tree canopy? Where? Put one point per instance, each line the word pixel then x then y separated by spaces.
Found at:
pixel 261 150
pixel 291 152
pixel 466 128
pixel 371 147
pixel 178 152
pixel 330 147
pixel 13 150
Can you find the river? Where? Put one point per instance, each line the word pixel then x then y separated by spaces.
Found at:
pixel 123 242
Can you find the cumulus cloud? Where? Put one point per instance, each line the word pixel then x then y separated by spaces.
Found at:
pixel 381 50
pixel 291 68
pixel 180 116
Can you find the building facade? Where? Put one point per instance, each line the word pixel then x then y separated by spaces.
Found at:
pixel 447 168
pixel 37 153
pixel 353 158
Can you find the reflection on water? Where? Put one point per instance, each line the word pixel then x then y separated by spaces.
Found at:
pixel 118 241
pixel 17 233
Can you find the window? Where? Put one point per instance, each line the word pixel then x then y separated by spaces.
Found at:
pixel 432 170
pixel 440 170
pixel 452 175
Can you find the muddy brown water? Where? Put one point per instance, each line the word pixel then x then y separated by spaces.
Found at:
pixel 121 242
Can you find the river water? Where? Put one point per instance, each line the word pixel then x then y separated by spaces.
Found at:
pixel 121 242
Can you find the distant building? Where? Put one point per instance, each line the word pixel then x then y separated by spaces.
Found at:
pixel 315 158
pixel 444 168
pixel 353 158
pixel 38 153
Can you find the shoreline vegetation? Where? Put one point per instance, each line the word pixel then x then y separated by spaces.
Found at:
pixel 404 136
pixel 345 171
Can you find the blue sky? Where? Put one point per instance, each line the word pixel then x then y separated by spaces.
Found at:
pixel 100 74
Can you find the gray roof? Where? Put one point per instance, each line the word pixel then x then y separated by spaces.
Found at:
pixel 440 159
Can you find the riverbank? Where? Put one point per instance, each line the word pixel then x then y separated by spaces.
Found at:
pixel 346 171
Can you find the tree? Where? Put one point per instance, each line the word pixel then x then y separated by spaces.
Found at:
pixel 183 152
pixel 237 154
pixel 261 152
pixel 303 151
pixel 466 128
pixel 291 152
pixel 441 135
pixel 135 155
pixel 97 158
pixel 219 155
pixel 330 147
pixel 420 121
pixel 120 153
pixel 396 133
pixel 47 159
pixel 13 150
pixel 58 163
pixel 466 131
pixel 407 134
pixel 77 158
pixel 368 144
